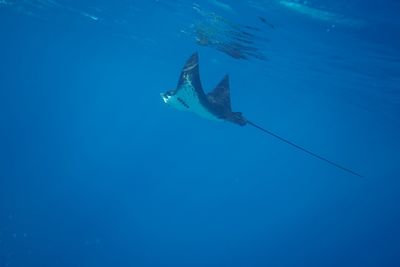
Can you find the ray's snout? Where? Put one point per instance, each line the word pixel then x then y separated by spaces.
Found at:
pixel 164 97
pixel 167 97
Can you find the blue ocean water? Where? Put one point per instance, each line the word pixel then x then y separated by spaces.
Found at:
pixel 96 170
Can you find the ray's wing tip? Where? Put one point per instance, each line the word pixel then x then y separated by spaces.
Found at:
pixel 194 57
pixel 191 64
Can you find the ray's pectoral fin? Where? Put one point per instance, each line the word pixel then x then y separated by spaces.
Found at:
pixel 189 94
pixel 220 98
pixel 190 75
pixel 221 94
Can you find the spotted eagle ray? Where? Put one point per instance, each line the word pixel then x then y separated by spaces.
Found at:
pixel 216 105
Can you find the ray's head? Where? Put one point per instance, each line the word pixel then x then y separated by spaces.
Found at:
pixel 167 96
pixel 172 99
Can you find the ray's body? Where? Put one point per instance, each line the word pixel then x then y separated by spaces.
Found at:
pixel 216 105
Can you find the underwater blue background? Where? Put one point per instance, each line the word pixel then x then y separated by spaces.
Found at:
pixel 95 170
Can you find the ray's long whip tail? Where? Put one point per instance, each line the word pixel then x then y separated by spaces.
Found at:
pixel 304 150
